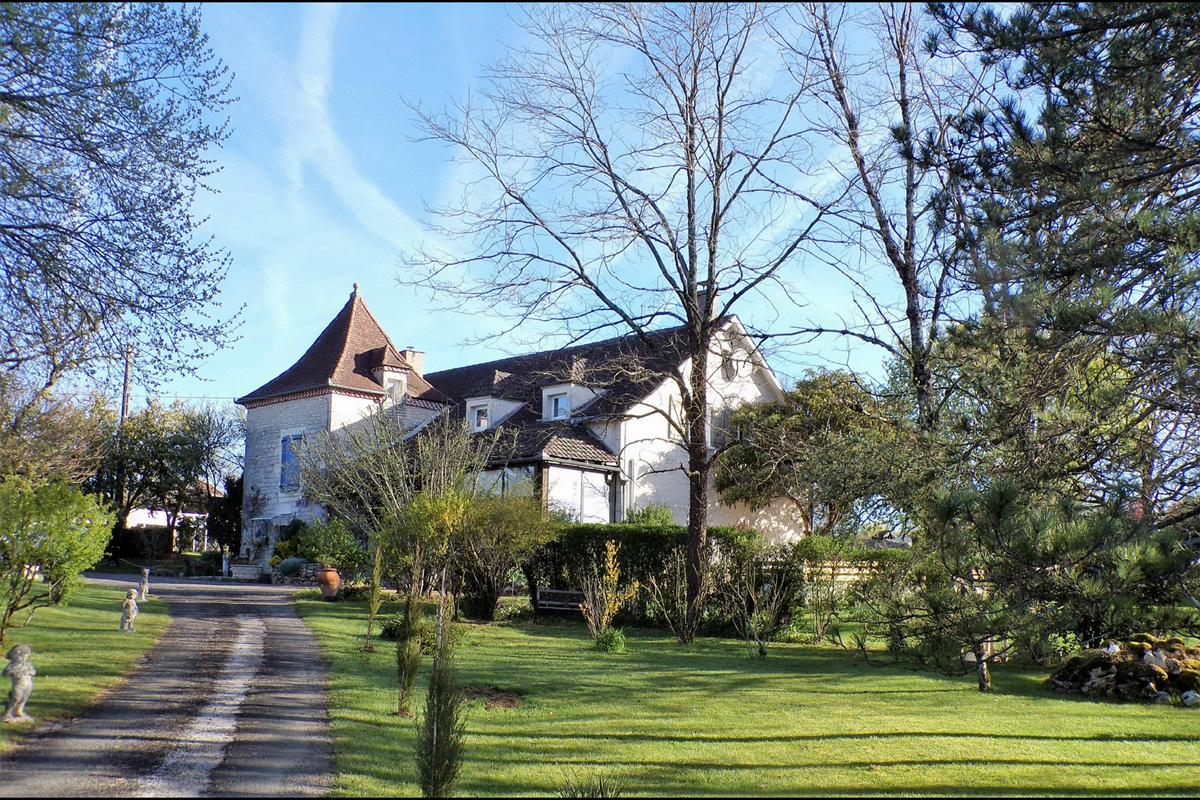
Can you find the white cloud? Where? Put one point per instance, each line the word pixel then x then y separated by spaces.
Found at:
pixel 311 141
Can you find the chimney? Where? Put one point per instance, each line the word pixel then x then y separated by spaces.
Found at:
pixel 415 359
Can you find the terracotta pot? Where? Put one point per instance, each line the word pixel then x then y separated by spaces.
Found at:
pixel 329 581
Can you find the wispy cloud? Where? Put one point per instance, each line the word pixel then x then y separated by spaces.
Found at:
pixel 311 140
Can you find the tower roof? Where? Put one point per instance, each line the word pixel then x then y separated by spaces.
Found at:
pixel 345 356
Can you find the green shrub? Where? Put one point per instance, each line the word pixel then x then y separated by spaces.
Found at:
pixel 657 514
pixel 328 543
pixel 354 592
pixel 290 567
pixel 205 565
pixel 611 641
pixel 824 549
pixel 514 609
pixel 392 627
pixel 54 526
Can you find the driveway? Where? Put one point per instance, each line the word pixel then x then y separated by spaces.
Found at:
pixel 231 701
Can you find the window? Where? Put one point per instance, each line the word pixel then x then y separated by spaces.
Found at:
pixel 478 416
pixel 733 365
pixel 558 406
pixel 395 389
pixel 718 426
pixel 289 477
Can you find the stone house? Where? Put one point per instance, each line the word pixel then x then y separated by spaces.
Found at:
pixel 593 434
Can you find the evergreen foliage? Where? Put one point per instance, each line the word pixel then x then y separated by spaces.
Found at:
pixel 646 552
pixel 225 514
pixel 408 650
pixel 442 727
pixel 501 533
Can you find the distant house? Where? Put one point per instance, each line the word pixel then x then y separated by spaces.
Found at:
pixel 592 437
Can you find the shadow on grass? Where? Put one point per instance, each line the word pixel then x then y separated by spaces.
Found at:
pixel 709 720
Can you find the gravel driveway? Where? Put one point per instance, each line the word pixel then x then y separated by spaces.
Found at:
pixel 231 701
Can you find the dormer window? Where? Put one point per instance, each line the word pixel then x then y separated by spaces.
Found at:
pixel 557 401
pixel 478 415
pixel 559 406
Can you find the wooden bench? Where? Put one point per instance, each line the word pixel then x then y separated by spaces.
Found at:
pixel 558 600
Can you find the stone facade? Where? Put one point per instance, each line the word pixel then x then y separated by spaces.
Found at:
pixel 266 507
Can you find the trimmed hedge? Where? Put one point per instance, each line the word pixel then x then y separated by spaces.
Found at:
pixel 825 549
pixel 644 550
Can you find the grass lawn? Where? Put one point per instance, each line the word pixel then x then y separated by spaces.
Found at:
pixel 79 651
pixel 663 719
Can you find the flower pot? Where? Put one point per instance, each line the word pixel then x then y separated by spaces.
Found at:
pixel 328 580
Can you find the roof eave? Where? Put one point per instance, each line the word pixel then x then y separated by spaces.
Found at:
pixel 241 401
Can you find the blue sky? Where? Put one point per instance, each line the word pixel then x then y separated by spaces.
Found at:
pixel 322 186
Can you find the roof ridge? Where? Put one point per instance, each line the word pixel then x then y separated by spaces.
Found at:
pixel 560 351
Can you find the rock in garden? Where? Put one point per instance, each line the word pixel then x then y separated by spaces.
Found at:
pixel 1190 698
pixel 1155 658
pixel 21 672
pixel 1143 670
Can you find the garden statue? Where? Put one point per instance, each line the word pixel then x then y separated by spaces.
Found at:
pixel 144 586
pixel 21 672
pixel 130 612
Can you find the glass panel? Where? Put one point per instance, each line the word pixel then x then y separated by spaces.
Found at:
pixel 289 478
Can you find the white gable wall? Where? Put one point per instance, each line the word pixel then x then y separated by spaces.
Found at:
pixel 654 461
pixel 346 410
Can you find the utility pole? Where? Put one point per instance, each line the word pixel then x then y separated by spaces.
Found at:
pixel 125 390
pixel 119 490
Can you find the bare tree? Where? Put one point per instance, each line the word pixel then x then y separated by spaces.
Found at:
pixel 370 473
pixel 44 435
pixel 890 112
pixel 634 165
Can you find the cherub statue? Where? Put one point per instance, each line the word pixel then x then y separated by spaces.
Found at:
pixel 21 672
pixel 130 612
pixel 144 586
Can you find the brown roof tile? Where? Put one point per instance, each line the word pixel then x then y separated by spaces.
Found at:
pixel 345 356
pixel 626 369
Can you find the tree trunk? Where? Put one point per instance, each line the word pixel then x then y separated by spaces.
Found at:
pixel 981 669
pixel 696 419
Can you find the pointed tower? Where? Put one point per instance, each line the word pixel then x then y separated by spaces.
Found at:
pixel 350 369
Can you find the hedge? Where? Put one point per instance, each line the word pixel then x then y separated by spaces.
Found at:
pixel 825 549
pixel 644 550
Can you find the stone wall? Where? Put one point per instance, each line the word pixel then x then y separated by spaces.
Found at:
pixel 306 577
